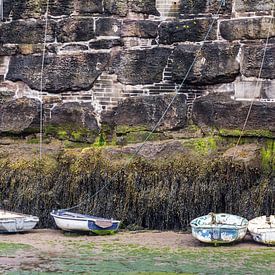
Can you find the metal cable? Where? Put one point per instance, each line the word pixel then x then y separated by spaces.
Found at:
pixel 161 118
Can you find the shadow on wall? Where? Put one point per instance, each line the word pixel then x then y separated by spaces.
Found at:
pixel 168 8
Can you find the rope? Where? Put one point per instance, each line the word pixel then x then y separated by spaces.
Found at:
pixel 258 83
pixel 41 82
pixel 161 118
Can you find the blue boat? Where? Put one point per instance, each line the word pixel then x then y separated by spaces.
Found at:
pixel 74 222
pixel 219 228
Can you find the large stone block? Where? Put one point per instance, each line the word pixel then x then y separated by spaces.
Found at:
pixel 73 121
pixel 116 7
pixel 26 32
pixel 21 9
pixel 141 66
pixel 205 6
pixel 19 116
pixel 144 112
pixel 143 6
pixel 88 6
pixel 75 29
pixel 252 59
pixel 247 28
pixel 61 72
pixel 108 27
pixel 140 28
pixel 220 111
pixel 187 30
pixel 215 63
pixel 253 5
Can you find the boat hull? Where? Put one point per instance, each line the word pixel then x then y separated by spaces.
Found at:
pixel 73 222
pixel 11 222
pixel 263 231
pixel 227 229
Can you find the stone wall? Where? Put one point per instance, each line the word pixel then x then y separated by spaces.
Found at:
pixel 101 52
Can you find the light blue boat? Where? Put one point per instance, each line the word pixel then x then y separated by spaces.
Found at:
pixel 219 228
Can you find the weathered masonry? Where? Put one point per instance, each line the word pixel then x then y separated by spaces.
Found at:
pixel 101 52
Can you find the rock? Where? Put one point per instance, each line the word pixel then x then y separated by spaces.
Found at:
pixel 194 7
pixel 140 28
pixel 141 66
pixel 108 27
pixel 8 49
pixel 19 116
pixel 252 5
pixel 74 47
pixel 116 7
pixel 251 60
pixel 215 63
pixel 247 28
pixel 73 121
pixel 105 43
pixel 143 6
pixel 219 111
pixel 26 32
pixel 186 30
pixel 34 9
pixel 144 112
pixel 75 71
pixel 75 29
pixel 87 7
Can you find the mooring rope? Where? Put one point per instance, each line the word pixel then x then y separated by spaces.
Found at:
pixel 41 82
pixel 215 17
pixel 258 83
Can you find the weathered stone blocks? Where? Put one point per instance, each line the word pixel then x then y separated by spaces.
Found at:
pixel 252 58
pixel 106 26
pixel 139 28
pixel 187 30
pixel 27 32
pixel 116 7
pixel 88 7
pixel 143 6
pixel 141 66
pixel 253 5
pixel 19 116
pixel 75 29
pixel 61 72
pixel 220 111
pixel 144 113
pixel 215 63
pixel 247 28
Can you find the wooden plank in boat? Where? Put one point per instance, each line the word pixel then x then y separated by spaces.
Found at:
pixel 103 223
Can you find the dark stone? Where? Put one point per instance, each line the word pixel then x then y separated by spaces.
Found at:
pixel 73 121
pixel 19 116
pixel 8 49
pixel 140 28
pixel 247 28
pixel 187 30
pixel 88 6
pixel 28 32
pixel 252 57
pixel 22 9
pixel 215 63
pixel 143 6
pixel 253 5
pixel 194 7
pixel 108 27
pixel 146 112
pixel 75 29
pixel 141 66
pixel 105 43
pixel 116 7
pixel 61 72
pixel 220 111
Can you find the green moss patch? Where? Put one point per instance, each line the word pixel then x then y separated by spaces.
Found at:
pixel 246 133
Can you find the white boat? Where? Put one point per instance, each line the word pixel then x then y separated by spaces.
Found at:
pixel 69 221
pixel 219 228
pixel 262 229
pixel 11 222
